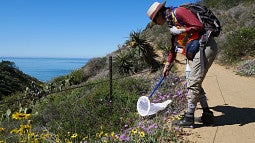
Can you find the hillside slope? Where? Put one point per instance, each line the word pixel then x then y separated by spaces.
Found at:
pixel 13 80
pixel 89 108
pixel 236 15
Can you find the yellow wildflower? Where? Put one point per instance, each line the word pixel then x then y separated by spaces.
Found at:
pixel 57 138
pixel 74 135
pixel 112 134
pixel 101 133
pixel 14 131
pixel 133 44
pixel 24 129
pixel 142 134
pixel 1 129
pixel 19 116
pixel 85 137
pixel 36 141
pixel 31 135
pixel 106 134
pixel 179 117
pixel 45 135
pixel 134 131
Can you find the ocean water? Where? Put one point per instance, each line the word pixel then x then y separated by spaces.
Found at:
pixel 45 69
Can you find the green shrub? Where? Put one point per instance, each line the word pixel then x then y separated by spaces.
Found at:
pixel 239 44
pixel 77 77
pixel 225 4
pixel 90 113
pixel 88 110
pixel 94 66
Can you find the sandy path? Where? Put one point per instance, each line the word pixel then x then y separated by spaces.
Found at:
pixel 232 99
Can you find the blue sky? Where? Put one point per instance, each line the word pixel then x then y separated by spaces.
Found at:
pixel 70 28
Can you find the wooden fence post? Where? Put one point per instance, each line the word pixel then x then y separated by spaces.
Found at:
pixel 110 76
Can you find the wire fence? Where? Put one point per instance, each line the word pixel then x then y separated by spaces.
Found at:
pixel 110 80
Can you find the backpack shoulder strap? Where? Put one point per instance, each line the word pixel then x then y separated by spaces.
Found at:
pixel 175 18
pixel 171 18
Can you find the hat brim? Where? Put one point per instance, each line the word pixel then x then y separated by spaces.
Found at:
pixel 156 11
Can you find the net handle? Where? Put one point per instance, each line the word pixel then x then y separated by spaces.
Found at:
pixel 160 81
pixel 156 87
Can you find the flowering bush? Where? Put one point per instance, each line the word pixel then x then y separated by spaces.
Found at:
pixel 239 44
pixel 74 117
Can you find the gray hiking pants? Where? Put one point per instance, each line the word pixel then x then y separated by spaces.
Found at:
pixel 195 90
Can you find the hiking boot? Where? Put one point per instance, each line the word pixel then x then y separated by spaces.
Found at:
pixel 207 118
pixel 187 120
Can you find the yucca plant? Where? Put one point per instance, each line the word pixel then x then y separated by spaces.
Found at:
pixel 144 51
pixel 124 62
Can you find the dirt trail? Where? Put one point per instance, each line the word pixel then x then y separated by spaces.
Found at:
pixel 232 99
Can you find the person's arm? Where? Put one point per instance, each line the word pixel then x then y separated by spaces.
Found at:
pixel 189 19
pixel 171 57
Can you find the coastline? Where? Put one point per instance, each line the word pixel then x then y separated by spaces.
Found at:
pixel 46 68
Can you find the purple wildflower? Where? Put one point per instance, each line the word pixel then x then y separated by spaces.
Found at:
pixel 176 128
pixel 175 96
pixel 123 137
pixel 179 92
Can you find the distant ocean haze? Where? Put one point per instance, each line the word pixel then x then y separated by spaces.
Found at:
pixel 45 69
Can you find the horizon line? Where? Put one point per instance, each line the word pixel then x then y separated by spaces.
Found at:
pixel 49 57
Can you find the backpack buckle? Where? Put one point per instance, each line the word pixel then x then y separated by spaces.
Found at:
pixel 205 37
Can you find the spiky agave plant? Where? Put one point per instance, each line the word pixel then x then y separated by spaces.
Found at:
pixel 124 61
pixel 145 51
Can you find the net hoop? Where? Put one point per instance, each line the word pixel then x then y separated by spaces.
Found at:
pixel 143 105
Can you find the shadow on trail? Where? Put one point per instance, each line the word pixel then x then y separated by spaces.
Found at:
pixel 234 115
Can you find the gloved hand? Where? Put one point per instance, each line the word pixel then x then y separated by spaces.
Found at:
pixel 175 31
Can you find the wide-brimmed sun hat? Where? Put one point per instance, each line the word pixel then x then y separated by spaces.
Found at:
pixel 153 10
